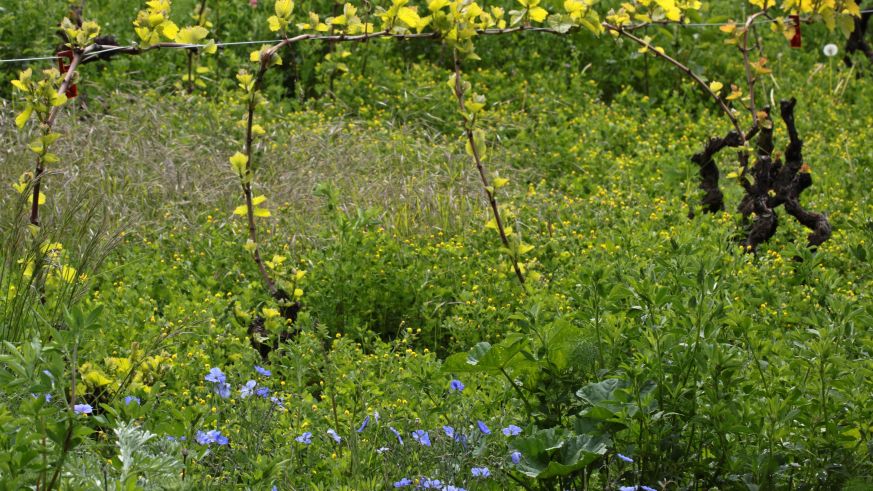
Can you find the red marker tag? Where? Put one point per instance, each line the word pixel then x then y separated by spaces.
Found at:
pixel 72 90
pixel 797 40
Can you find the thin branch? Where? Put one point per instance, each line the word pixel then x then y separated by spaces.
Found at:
pixel 683 68
pixel 50 121
pixel 492 201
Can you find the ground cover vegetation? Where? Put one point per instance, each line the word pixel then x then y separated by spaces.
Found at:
pixel 522 245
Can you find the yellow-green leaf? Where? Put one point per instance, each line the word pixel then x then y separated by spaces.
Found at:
pixel 238 162
pixel 191 35
pixel 275 23
pixel 408 16
pixel 538 14
pixel 22 118
pixel 283 8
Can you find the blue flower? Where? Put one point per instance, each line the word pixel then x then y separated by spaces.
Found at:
pixel 364 423
pixel 647 488
pixel 263 392
pixel 403 483
pixel 211 436
pixel 480 472
pixel 635 488
pixel 516 457
pixel 222 389
pixel 218 437
pixel 171 438
pixel 215 375
pixel 129 399
pixel 453 488
pixel 305 438
pixel 426 483
pixel 397 434
pixel 456 385
pixel 263 371
pixel 48 398
pixel 83 409
pixel 421 437
pixel 483 428
pixel 333 434
pixel 511 430
pixel 450 432
pixel 275 400
pixel 202 438
pixel 247 389
pixel 625 458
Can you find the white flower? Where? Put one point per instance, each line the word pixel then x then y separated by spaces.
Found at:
pixel 830 50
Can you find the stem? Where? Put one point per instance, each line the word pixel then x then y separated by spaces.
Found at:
pixel 492 200
pixel 68 438
pixel 750 79
pixel 49 122
pixel 246 184
pixel 683 68
pixel 518 391
pixel 190 71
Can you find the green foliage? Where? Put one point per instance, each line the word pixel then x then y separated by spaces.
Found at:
pixel 640 333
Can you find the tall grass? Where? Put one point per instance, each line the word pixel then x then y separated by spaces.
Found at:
pixel 44 270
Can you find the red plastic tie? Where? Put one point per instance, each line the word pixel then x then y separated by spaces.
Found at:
pixel 797 39
pixel 72 90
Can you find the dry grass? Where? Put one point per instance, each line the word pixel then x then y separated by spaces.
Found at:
pixel 155 161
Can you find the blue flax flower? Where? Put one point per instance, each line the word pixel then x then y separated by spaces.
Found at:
pixel 222 389
pixel 83 409
pixel 450 432
pixel 397 434
pixel 456 385
pixel 364 424
pixel 247 389
pixel 480 472
pixel 403 483
pixel 333 434
pixel 263 392
pixel 263 371
pixel 516 457
pixel 211 436
pixel 636 488
pixel 129 399
pixel 511 430
pixel 483 428
pixel 305 438
pixel 426 483
pixel 215 375
pixel 421 437
pixel 453 488
pixel 625 458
